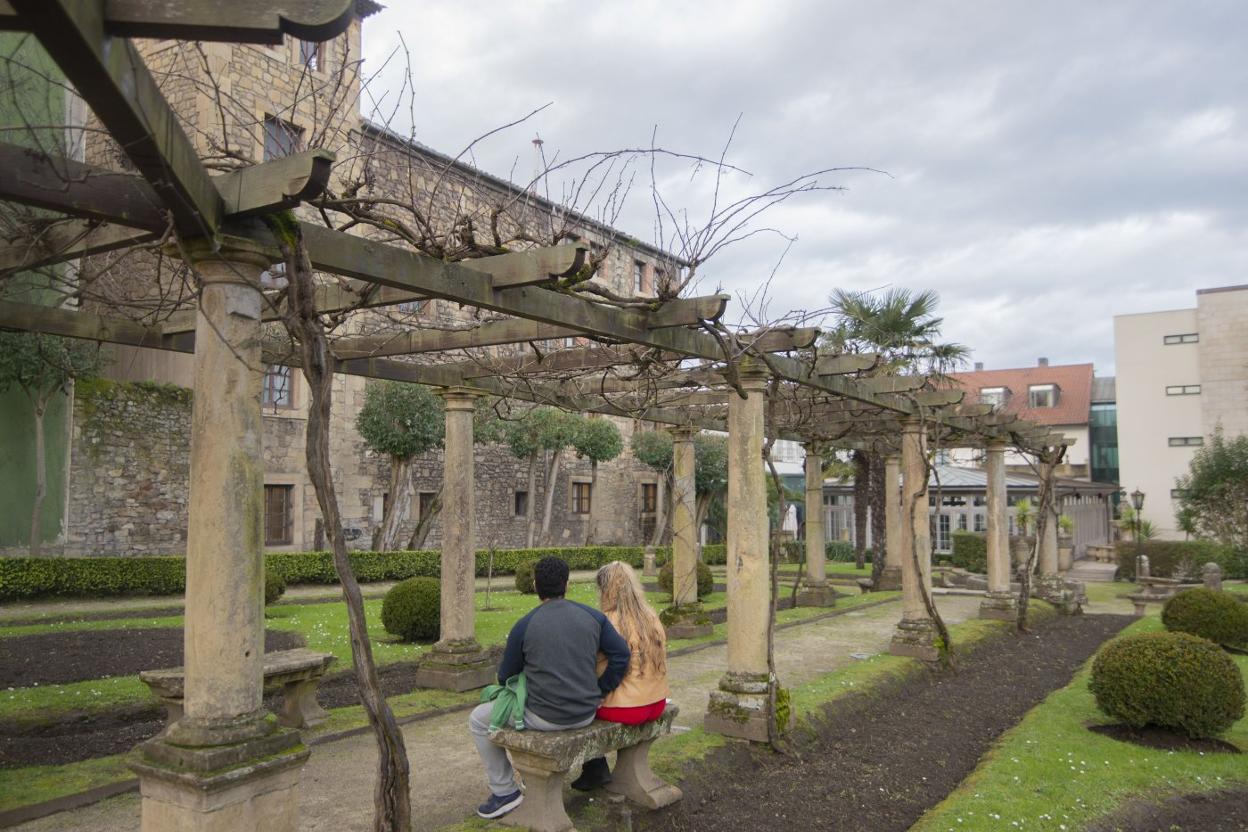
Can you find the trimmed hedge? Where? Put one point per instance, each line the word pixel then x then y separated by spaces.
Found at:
pixel 525 584
pixel 1170 680
pixel 1166 557
pixel 274 586
pixel 970 551
pixel 706 581
pixel 1217 616
pixel 412 609
pixel 109 576
pixel 840 551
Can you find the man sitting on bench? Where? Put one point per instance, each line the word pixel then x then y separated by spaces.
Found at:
pixel 556 646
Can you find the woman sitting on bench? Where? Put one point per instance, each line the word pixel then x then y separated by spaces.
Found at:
pixel 642 695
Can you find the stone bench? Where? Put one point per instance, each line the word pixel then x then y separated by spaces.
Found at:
pixel 297 672
pixel 544 758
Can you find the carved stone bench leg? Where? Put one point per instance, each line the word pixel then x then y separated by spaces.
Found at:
pixel 299 706
pixel 1139 609
pixel 542 809
pixel 633 778
pixel 173 710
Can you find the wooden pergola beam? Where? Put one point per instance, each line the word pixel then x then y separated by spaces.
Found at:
pixel 839 365
pixel 241 21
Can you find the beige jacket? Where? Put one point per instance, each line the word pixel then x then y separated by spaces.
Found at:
pixel 636 689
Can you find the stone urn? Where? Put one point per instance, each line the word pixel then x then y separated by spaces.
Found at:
pixel 1020 550
pixel 1065 552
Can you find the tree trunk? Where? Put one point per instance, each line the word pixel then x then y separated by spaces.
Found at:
pixel 391 796
pixel 398 506
pixel 862 500
pixel 425 521
pixel 552 478
pixel 530 507
pixel 879 528
pixel 660 510
pixel 593 502
pixel 41 473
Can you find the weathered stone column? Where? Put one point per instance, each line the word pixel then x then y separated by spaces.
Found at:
pixel 1000 602
pixel 225 765
pixel 740 708
pixel 915 634
pixel 816 591
pixel 685 618
pixel 895 528
pixel 457 661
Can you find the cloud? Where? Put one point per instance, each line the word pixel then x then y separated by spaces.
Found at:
pixel 1050 164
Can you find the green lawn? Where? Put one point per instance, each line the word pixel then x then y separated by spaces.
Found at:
pixel 1051 773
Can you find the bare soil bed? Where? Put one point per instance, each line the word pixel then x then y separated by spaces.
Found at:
pixel 877 761
pixel 1225 811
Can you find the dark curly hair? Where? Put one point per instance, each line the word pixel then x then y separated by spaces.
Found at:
pixel 550 577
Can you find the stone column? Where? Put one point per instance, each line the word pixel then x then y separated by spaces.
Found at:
pixel 740 708
pixel 457 661
pixel 685 618
pixel 225 765
pixel 915 634
pixel 1048 541
pixel 1000 602
pixel 816 591
pixel 895 527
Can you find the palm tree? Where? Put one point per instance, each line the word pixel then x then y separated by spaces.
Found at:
pixel 903 328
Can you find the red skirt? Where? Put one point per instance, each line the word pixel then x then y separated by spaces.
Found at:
pixel 633 716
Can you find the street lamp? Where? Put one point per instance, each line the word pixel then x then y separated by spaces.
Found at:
pixel 1137 502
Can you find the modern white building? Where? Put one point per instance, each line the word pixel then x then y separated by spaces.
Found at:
pixel 1182 374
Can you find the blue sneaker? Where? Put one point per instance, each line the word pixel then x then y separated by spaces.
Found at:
pixel 499 805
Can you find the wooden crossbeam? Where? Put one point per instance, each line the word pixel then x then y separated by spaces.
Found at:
pixel 69 240
pixel 240 21
pixel 413 341
pixel 109 73
pixel 839 365
pixel 893 384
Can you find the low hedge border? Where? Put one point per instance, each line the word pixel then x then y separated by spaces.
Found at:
pixel 1165 557
pixel 22 578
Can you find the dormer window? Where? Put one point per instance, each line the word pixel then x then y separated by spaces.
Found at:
pixel 994 396
pixel 1042 395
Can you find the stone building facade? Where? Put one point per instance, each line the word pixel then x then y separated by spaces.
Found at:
pixel 129 449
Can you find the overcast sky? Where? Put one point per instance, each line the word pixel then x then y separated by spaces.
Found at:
pixel 1050 165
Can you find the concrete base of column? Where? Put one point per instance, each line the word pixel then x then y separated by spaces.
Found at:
pixel 457 666
pixel 999 606
pixel 817 595
pixel 686 621
pixel 649 569
pixel 741 708
pixel 916 639
pixel 246 785
pixel 890 579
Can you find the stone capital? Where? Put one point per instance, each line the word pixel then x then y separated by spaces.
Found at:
pixel 459 398
pixel 684 433
pixel 227 248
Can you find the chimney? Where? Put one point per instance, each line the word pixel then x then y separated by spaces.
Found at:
pixel 1042 362
pixel 539 163
pixel 979 366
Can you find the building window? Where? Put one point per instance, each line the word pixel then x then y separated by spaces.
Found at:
pixel 276 390
pixel 649 497
pixel 1186 441
pixel 1042 395
pixel 520 505
pixel 962 522
pixel 1185 338
pixel 424 503
pixel 639 277
pixel 311 55
pixel 994 396
pixel 277 514
pixel 580 498
pixel 1183 390
pixel 943 544
pixel 281 138
pixel 980 523
pixel 1176 493
pixel 660 277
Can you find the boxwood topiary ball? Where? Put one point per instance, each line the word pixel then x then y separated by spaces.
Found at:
pixel 706 580
pixel 524 577
pixel 1217 616
pixel 1170 680
pixel 412 609
pixel 274 586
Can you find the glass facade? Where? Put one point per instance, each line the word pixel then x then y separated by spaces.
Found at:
pixel 1103 439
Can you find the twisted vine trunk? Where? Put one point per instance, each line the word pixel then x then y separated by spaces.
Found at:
pixel 391 796
pixel 879 530
pixel 552 479
pixel 862 499
pixel 41 472
pixel 425 521
pixel 531 502
pixel 397 507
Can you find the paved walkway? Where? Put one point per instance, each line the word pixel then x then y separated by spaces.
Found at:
pixel 337 783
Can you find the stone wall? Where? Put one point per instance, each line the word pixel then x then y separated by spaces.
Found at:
pixel 1222 321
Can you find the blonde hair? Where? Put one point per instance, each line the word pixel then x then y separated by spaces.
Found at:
pixel 620 592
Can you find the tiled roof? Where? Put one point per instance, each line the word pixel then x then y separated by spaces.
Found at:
pixel 1074 383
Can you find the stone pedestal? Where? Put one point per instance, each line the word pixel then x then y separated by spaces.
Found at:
pixel 1065 554
pixel 686 621
pixel 999 606
pixel 648 567
pixel 890 579
pixel 456 665
pixel 915 639
pixel 817 595
pixel 741 707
